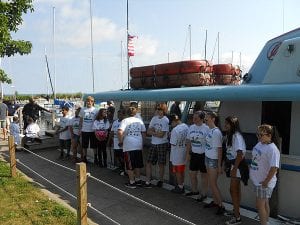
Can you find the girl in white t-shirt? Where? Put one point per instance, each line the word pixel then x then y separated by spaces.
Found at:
pixel 101 128
pixel 236 150
pixel 213 160
pixel 263 168
pixel 196 154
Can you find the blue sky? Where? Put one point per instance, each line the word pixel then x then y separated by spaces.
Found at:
pixel 162 30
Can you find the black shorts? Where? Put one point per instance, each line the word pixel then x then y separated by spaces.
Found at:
pixel 89 138
pixel 65 144
pixel 197 162
pixel 133 159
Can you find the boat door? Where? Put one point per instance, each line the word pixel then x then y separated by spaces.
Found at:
pixel 278 113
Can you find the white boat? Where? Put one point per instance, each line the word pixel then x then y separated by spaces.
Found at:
pixel 269 93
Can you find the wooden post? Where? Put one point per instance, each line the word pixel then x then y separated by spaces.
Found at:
pixel 12 153
pixel 81 194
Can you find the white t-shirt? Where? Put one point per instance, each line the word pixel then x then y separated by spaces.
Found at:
pixel 213 142
pixel 197 136
pixel 88 116
pixel 159 124
pixel 63 123
pixel 178 141
pixel 114 128
pixel 32 130
pixel 74 123
pixel 238 143
pixel 101 125
pixel 132 128
pixel 14 129
pixel 264 156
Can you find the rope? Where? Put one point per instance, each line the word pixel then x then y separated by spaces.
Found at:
pixel 144 202
pixel 41 157
pixel 103 182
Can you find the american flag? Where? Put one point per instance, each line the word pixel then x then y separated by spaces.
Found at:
pixel 130 45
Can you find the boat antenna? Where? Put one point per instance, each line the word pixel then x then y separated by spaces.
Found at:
pixel 92 46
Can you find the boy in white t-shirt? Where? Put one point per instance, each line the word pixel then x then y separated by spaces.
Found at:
pixel 74 132
pixel 14 129
pixel 178 151
pixel 131 134
pixel 64 133
pixel 118 150
pixel 158 129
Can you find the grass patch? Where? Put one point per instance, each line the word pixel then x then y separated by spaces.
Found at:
pixel 22 203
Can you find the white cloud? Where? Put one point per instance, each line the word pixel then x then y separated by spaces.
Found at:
pixel 72 22
pixel 145 46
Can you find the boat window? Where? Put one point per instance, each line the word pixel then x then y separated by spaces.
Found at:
pixel 250 140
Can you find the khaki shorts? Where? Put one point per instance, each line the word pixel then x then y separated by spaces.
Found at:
pixel 2 123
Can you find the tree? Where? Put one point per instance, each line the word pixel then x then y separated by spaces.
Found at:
pixel 11 12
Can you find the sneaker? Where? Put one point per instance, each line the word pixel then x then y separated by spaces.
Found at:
pixel 220 210
pixel 159 184
pixel 234 221
pixel 192 193
pixel 139 183
pixel 122 173
pixel 147 185
pixel 210 205
pixel 229 213
pixel 129 185
pixel 201 198
pixel 178 190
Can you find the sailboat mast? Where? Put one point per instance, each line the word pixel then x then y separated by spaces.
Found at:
pixel 127 29
pixel 190 35
pixel 54 53
pixel 92 46
pixel 205 44
pixel 121 65
pixel 218 47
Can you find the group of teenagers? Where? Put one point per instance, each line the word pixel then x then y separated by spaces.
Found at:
pixel 201 146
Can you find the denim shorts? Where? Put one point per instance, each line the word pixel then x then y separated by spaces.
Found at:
pixel 263 192
pixel 211 163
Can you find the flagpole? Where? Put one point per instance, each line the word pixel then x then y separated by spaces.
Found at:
pixel 128 75
pixel 92 46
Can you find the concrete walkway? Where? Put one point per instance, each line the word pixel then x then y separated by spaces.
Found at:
pixel 160 206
